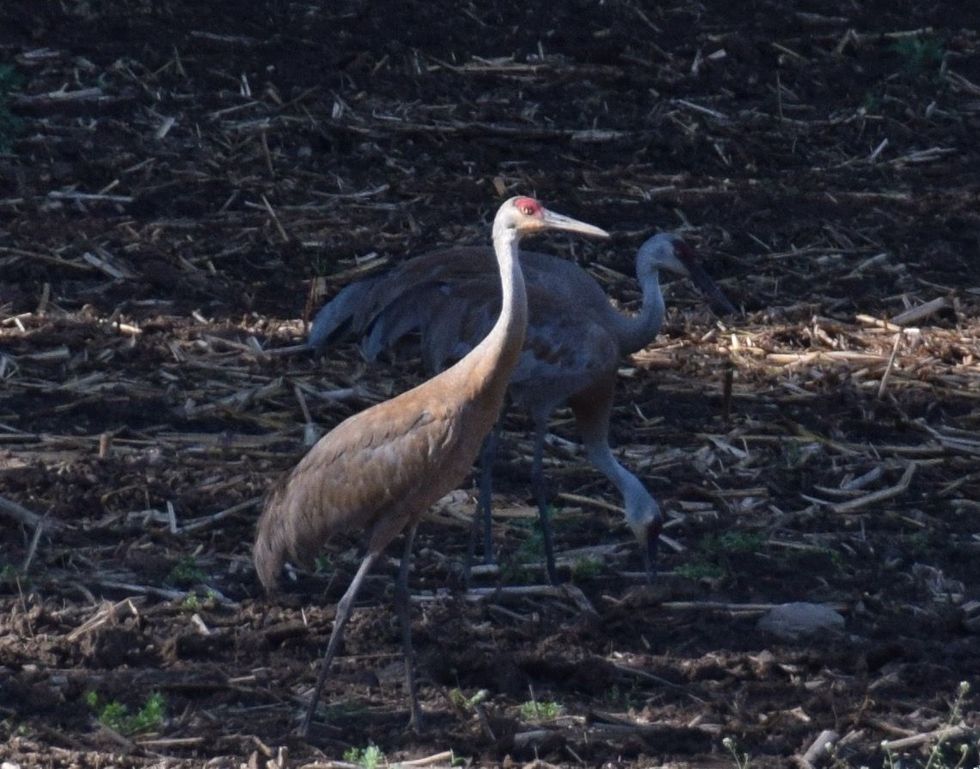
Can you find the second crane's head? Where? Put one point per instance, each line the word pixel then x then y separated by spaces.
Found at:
pixel 645 520
pixel 669 252
pixel 522 216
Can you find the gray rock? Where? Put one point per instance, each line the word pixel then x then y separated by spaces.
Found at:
pixel 792 621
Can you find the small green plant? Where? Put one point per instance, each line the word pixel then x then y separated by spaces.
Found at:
pixel 9 574
pixel 585 569
pixel 871 102
pixel 115 715
pixel 738 542
pixel 467 704
pixel 370 757
pixel 919 54
pixel 532 548
pixel 323 563
pixel 741 759
pixel 617 696
pixel 186 572
pixel 9 124
pixel 149 717
pixel 700 569
pixel 196 601
pixel 533 710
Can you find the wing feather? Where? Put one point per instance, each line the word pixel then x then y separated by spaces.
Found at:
pixel 370 471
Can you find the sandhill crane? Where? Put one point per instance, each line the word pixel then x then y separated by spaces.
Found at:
pixel 380 469
pixel 574 342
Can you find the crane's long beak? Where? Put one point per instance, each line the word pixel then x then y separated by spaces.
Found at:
pixel 703 281
pixel 553 221
pixel 650 552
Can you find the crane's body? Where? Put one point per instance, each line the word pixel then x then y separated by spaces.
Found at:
pixel 376 472
pixel 379 470
pixel 574 341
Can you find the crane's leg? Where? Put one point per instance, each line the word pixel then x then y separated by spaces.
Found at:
pixel 344 608
pixel 541 496
pixel 483 512
pixel 401 603
pixel 487 460
pixel 650 555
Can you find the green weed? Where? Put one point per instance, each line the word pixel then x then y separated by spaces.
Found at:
pixel 732 542
pixel 585 569
pixel 700 569
pixel 919 54
pixel 197 601
pixel 625 698
pixel 370 757
pixel 532 548
pixel 467 704
pixel 9 574
pixel 115 715
pixel 532 710
pixel 186 572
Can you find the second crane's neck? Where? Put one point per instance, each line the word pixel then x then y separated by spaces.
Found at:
pixel 638 331
pixel 493 360
pixel 635 495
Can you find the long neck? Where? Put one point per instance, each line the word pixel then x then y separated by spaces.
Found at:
pixel 632 489
pixel 637 331
pixel 493 360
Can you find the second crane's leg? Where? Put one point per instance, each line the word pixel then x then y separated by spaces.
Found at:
pixel 486 486
pixel 483 513
pixel 401 603
pixel 344 608
pixel 541 496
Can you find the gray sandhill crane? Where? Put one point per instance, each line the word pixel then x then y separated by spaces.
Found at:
pixel 382 468
pixel 574 342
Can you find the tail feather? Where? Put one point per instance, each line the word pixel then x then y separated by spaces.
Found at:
pixel 338 314
pixel 396 320
pixel 271 541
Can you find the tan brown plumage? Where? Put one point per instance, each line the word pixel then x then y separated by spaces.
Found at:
pixel 379 470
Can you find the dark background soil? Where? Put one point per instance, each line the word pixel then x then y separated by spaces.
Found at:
pixel 245 158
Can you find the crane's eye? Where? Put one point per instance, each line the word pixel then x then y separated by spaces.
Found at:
pixel 527 206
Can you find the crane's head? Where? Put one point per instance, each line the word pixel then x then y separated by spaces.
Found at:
pixel 525 216
pixel 645 520
pixel 665 251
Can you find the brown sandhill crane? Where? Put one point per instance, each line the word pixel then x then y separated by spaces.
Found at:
pixel 382 468
pixel 574 342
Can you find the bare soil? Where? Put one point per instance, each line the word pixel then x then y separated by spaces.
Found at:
pixel 189 180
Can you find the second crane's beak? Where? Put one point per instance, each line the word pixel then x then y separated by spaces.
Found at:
pixel 703 281
pixel 650 552
pixel 553 221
